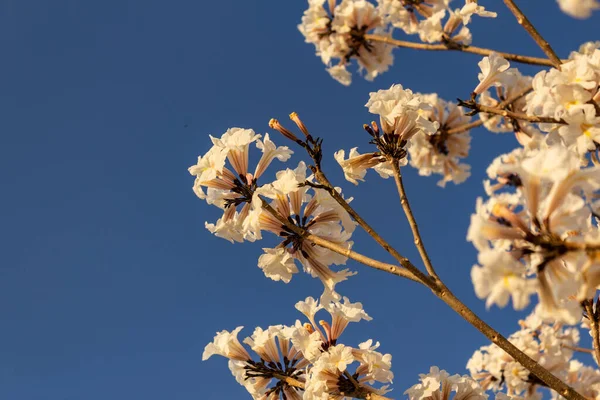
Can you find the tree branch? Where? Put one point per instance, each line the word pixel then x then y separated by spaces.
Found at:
pixel 477 108
pixel 463 48
pixel 411 220
pixel 524 22
pixel 475 124
pixel 405 262
pixel 594 318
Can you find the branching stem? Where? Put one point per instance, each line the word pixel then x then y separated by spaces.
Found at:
pixel 465 49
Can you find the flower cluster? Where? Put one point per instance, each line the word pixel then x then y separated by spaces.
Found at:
pixel 338 30
pixel 538 236
pixel 550 345
pixel 570 95
pixel 418 125
pixel 440 385
pixel 303 361
pixel 233 189
pixel 287 207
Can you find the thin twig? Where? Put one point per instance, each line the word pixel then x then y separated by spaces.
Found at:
pixel 411 220
pixel 475 124
pixel 465 49
pixel 579 349
pixel 524 22
pixel 476 107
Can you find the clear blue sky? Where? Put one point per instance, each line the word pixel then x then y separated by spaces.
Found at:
pixel 110 286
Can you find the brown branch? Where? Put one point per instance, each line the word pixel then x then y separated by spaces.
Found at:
pixel 463 48
pixel 405 262
pixel 442 292
pixel 411 220
pixel 477 108
pixel 594 318
pixel 579 349
pixel 524 22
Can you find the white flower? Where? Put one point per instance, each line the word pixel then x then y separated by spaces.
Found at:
pixel 493 70
pixel 356 165
pixel 579 8
pixel 318 215
pixel 501 277
pixel 277 264
pixel 439 385
pixel 234 191
pixel 226 344
pixel 441 152
pixel 341 74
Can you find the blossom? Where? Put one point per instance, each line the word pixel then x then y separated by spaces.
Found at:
pixel 226 344
pixel 441 152
pixel 493 72
pixel 318 215
pixel 232 190
pixel 338 34
pixel 579 8
pixel 438 384
pixel 356 165
pixel 501 277
pixel 542 225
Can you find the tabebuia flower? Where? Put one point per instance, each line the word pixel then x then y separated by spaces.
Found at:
pixel 440 385
pixel 338 34
pixel 232 188
pixel 535 232
pixel 303 361
pixel 441 152
pixel 311 210
pixel 571 96
pixel 338 30
pixel 415 125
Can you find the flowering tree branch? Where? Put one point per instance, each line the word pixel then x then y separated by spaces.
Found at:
pixel 526 24
pixel 449 46
pixel 533 234
pixel 436 286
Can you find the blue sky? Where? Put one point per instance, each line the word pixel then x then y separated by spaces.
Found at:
pixel 110 286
